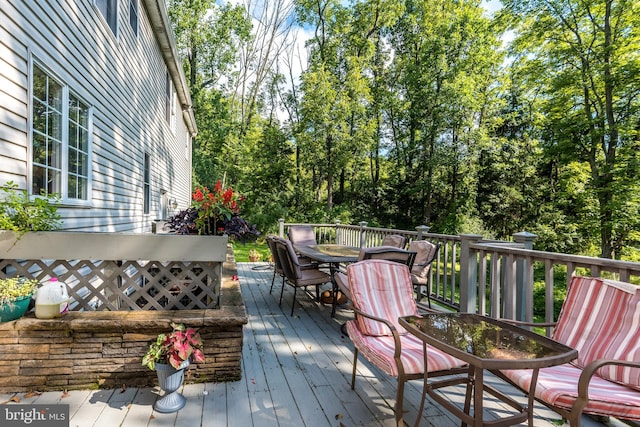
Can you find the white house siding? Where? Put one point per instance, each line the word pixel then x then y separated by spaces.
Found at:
pixel 122 77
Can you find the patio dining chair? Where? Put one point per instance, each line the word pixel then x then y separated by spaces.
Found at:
pixel 298 275
pixel 426 253
pixel 381 292
pixel 395 240
pixel 302 235
pixel 390 253
pixel 277 265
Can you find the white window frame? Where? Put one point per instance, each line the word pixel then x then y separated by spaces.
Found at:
pixel 134 11
pixel 114 5
pixel 64 153
pixel 146 183
pixel 168 98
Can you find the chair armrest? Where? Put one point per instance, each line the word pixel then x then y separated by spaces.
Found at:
pixel 309 265
pixel 589 370
pixel 396 336
pixel 426 309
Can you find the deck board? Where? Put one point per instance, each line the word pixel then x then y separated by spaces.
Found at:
pixel 296 371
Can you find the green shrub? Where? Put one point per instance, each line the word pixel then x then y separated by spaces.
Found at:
pixel 20 212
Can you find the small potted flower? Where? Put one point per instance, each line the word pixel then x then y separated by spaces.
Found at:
pixel 15 296
pixel 169 356
pixel 254 255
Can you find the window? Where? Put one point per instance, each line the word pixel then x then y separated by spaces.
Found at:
pixel 60 134
pixel 78 151
pixel 146 186
pixel 133 15
pixel 167 100
pixel 109 10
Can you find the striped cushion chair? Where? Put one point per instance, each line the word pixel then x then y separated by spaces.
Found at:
pixel 381 292
pixel 601 319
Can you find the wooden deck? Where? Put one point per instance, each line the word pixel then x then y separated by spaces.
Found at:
pixel 296 372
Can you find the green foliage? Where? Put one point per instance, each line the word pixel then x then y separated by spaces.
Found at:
pixel 407 113
pixel 241 250
pixel 176 347
pixel 20 212
pixel 15 287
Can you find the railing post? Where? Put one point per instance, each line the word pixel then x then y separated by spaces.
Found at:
pixel 468 273
pixel 522 291
pixel 422 230
pixel 338 233
pixel 363 233
pixel 281 227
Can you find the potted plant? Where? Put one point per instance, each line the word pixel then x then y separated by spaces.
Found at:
pixel 214 212
pixel 15 296
pixel 254 255
pixel 169 356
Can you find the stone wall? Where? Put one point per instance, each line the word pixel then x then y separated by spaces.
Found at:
pixel 104 349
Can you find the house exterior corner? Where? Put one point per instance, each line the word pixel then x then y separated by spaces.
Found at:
pixel 94 107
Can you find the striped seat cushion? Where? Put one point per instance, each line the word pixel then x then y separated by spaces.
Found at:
pixel 601 319
pixel 380 350
pixel 558 386
pixel 390 282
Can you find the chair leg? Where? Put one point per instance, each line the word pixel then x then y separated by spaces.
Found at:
pixel 399 399
pixel 272 280
pixel 281 291
pixel 353 373
pixel 293 303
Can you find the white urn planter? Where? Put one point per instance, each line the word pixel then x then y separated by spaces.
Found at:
pixel 170 380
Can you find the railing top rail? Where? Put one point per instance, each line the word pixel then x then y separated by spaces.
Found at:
pixel 580 260
pixel 437 236
pixel 75 245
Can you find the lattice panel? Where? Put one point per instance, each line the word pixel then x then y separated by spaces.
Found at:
pixel 127 285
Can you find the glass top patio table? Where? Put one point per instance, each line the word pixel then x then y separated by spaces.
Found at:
pixel 485 343
pixel 330 253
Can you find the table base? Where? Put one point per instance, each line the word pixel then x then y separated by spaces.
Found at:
pixel 476 389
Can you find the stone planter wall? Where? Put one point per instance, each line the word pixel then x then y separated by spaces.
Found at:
pixel 103 349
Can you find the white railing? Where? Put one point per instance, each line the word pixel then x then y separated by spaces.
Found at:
pixel 496 278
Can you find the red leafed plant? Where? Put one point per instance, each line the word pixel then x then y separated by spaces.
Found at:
pixel 174 348
pixel 214 212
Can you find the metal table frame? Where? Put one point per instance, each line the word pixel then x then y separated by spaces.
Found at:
pixel 505 346
pixel 333 255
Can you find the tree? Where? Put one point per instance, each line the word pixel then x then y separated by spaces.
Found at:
pixel 583 58
pixel 445 56
pixel 208 37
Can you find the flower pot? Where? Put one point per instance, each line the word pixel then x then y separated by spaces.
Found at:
pixel 14 309
pixel 170 380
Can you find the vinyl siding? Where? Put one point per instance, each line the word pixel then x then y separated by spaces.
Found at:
pixel 122 79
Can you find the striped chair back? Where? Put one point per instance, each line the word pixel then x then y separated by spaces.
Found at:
pixel 601 319
pixel 383 289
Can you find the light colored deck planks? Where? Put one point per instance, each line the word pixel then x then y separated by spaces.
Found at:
pixel 315 356
pixel 91 408
pixel 290 354
pixel 214 412
pixel 141 408
pixel 113 414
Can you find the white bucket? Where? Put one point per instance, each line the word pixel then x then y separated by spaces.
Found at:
pixel 52 299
